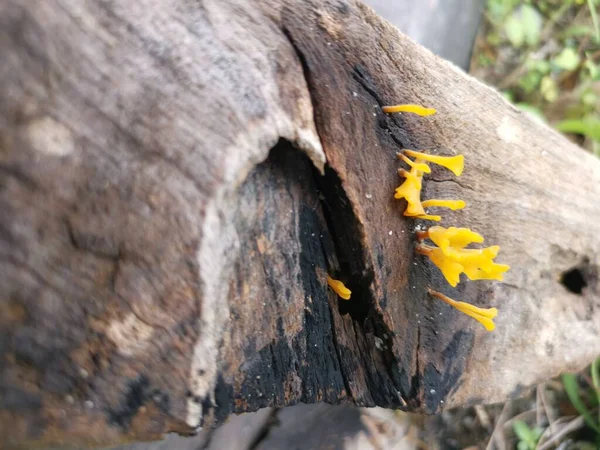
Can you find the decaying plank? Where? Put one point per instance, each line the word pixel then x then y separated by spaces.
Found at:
pixel 168 221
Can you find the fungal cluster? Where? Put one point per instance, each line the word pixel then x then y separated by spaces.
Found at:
pixel 449 252
pixel 448 249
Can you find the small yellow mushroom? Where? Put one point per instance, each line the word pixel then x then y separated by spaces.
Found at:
pixel 421 167
pixel 494 272
pixel 450 204
pixel 449 268
pixel 415 109
pixel 452 237
pixel 483 316
pixel 452 258
pixel 410 190
pixel 456 164
pixel 339 288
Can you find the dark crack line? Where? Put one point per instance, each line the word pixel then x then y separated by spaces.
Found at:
pixel 451 180
pixel 322 201
pixel 360 79
pixel 416 383
pixel 338 353
pixel 334 331
pixel 365 270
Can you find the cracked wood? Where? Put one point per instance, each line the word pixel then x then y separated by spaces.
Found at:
pixel 168 221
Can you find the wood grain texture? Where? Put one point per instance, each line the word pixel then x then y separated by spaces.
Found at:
pixel 168 221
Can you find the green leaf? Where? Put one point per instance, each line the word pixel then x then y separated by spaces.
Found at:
pixel 577 31
pixel 589 98
pixel 523 432
pixel 499 9
pixel 589 127
pixel 530 81
pixel 539 65
pixel 568 59
pixel 522 445
pixel 596 373
pixel 595 20
pixel 536 112
pixel 572 390
pixel 532 24
pixel 508 95
pixel 593 69
pixel 596 380
pixel 515 33
pixel 523 26
pixel 549 89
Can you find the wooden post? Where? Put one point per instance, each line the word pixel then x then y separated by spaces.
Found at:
pixel 178 178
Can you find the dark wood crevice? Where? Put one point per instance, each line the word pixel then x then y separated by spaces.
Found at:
pixel 354 267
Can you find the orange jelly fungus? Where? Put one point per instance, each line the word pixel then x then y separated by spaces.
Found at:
pixel 410 190
pixel 483 316
pixel 456 164
pixel 415 109
pixel 453 259
pixel 339 288
pixel 450 204
pixel 421 167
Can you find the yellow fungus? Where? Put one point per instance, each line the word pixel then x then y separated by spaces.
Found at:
pixel 449 268
pixel 452 258
pixel 483 316
pixel 451 204
pixel 410 190
pixel 453 237
pixel 415 109
pixel 455 164
pixel 421 167
pixel 494 272
pixel 339 288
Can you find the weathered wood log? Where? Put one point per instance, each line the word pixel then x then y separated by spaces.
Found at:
pixel 177 179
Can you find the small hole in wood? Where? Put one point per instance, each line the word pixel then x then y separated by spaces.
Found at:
pixel 574 280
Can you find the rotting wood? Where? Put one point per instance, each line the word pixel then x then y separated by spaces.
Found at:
pixel 164 241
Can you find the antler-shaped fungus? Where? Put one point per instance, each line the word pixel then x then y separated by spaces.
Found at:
pixel 452 258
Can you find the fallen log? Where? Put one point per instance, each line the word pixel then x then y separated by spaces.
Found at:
pixel 178 178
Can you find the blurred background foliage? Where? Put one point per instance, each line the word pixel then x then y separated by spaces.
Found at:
pixel 544 56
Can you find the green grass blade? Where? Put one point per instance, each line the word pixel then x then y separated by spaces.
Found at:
pixel 596 381
pixel 595 374
pixel 589 127
pixel 594 19
pixel 522 431
pixel 572 390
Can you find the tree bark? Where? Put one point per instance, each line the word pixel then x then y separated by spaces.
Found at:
pixel 177 179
